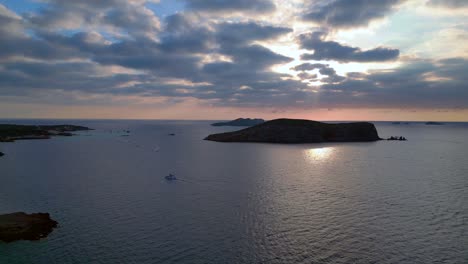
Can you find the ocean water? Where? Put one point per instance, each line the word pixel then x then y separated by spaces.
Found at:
pixel 380 202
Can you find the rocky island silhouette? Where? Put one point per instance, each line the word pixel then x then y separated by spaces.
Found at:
pixel 301 131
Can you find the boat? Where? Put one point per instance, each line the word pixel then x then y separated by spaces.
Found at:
pixel 170 177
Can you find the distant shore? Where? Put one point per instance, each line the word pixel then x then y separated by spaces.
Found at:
pixel 11 132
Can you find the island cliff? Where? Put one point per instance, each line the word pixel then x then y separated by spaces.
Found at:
pixel 241 122
pixel 22 226
pixel 301 131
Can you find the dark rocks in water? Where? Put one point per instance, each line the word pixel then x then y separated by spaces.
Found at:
pixel 434 123
pixel 301 131
pixel 397 138
pixel 241 122
pixel 22 226
pixel 171 134
pixel 10 133
pixel 2 154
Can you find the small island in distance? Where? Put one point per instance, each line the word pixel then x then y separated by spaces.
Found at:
pixel 241 122
pixel 301 131
pixel 434 123
pixel 10 133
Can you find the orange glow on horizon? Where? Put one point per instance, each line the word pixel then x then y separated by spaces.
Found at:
pixel 195 110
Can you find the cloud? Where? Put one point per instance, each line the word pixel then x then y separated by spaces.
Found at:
pixel 118 17
pixel 99 49
pixel 420 83
pixel 323 69
pixel 307 76
pixel 348 14
pixel 233 34
pixel 332 50
pixel 15 42
pixel 309 66
pixel 449 3
pixel 183 62
pixel 254 6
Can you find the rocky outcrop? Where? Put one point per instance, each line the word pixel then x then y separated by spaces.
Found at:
pixel 22 226
pixel 301 131
pixel 397 138
pixel 10 133
pixel 241 122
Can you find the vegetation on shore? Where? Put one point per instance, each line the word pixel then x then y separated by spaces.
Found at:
pixel 10 133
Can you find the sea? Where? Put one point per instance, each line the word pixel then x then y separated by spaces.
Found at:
pixel 372 202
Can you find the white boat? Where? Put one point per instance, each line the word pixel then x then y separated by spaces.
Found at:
pixel 170 177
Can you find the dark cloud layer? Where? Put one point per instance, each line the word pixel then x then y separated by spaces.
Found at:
pixel 117 47
pixel 118 16
pixel 332 50
pixel 178 54
pixel 430 84
pixel 259 6
pixel 234 34
pixel 348 14
pixel 309 66
pixel 323 69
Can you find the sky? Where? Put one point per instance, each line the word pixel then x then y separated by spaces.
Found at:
pixel 223 59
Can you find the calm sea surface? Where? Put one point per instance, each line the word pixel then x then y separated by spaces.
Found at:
pixel 381 202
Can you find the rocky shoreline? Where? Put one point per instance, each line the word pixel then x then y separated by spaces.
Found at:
pixel 22 226
pixel 301 131
pixel 11 133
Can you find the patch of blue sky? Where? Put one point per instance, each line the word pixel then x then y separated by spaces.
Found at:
pixel 166 7
pixel 22 6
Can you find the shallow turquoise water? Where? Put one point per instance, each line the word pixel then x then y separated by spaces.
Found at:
pixel 382 202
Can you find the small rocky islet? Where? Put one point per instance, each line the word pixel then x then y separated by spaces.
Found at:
pixel 22 226
pixel 434 123
pixel 393 138
pixel 301 131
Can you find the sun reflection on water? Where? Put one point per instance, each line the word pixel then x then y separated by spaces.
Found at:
pixel 320 153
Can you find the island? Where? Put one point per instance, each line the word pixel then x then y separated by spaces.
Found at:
pixel 434 123
pixel 22 226
pixel 241 122
pixel 400 123
pixel 301 131
pixel 10 133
